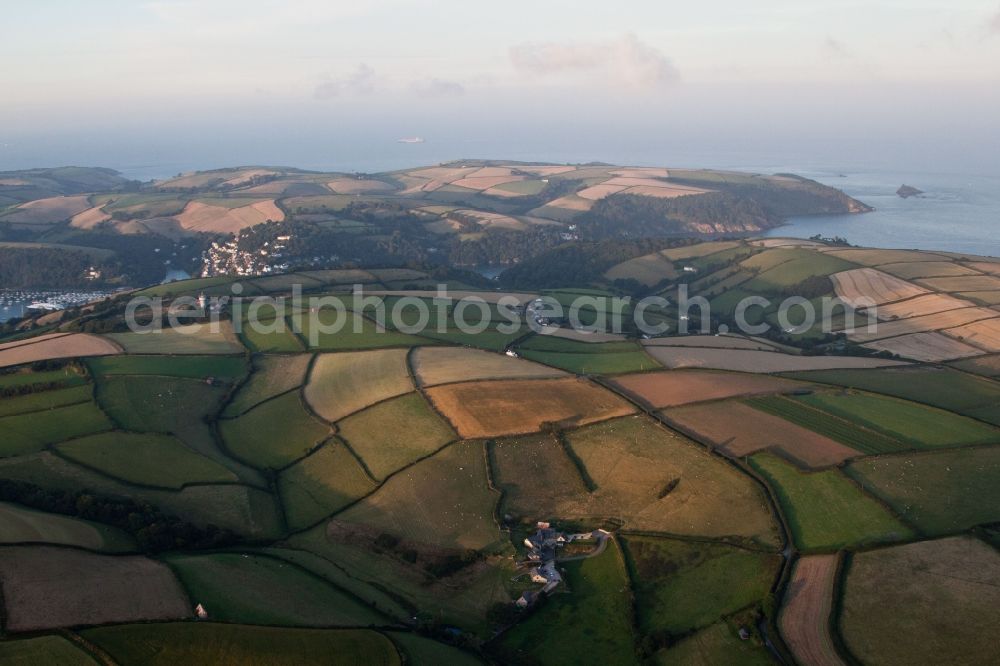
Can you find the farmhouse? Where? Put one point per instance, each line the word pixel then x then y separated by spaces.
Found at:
pixel 542 547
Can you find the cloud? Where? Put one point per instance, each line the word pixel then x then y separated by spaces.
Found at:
pixel 835 47
pixel 625 59
pixel 360 82
pixel 438 88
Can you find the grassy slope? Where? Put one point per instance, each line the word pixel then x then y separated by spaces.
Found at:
pixel 825 510
pixel 394 433
pixel 940 492
pixel 273 434
pixel 190 643
pixel 257 589
pixel 683 585
pixel 593 620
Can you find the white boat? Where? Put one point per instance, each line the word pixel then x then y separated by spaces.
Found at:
pixel 410 139
pixel 44 305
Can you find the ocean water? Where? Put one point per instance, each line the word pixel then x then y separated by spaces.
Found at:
pixel 957 213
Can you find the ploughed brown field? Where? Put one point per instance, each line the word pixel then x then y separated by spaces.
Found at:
pixel 930 346
pixel 982 334
pixel 867 284
pixel 48 211
pixel 198 216
pixel 739 430
pixel 670 388
pixel 920 305
pixel 490 409
pixel 46 587
pixel 89 218
pixel 931 322
pixel 356 185
pixel 805 618
pixel 56 345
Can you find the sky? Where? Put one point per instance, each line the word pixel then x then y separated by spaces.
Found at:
pixel 184 83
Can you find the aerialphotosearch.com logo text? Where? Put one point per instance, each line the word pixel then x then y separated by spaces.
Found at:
pixel 314 316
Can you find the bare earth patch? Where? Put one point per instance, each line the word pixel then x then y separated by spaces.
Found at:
pixel 89 218
pixel 490 409
pixel 740 430
pixel 931 602
pixel 805 617
pixel 970 283
pixel 930 347
pixel 863 285
pixel 199 216
pixel 982 334
pixel 931 322
pixel 919 306
pixel 442 365
pixel 46 587
pixel 56 345
pixel 48 211
pixel 679 387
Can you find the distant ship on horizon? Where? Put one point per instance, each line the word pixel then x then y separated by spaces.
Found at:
pixel 411 139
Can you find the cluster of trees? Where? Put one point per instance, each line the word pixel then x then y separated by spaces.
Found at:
pixel 632 216
pixel 138 259
pixel 41 268
pixel 581 263
pixel 153 530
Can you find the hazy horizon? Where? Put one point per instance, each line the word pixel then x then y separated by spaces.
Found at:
pixel 158 85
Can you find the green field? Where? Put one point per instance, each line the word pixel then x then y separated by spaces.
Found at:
pixel 346 338
pixel 782 268
pixel 322 483
pixel 273 434
pixel 420 651
pixel 717 645
pixel 43 650
pixel 192 367
pixel 22 525
pixel 443 501
pixel 67 376
pixel 682 585
pixel 269 336
pixel 594 620
pixel 183 340
pixel 394 433
pixel 825 510
pixel 947 389
pixel 157 404
pixel 834 427
pixel 490 339
pixel 608 363
pixel 27 433
pixel 552 343
pixel 258 589
pixel 169 644
pixel 921 426
pixel 145 458
pixel 45 400
pixel 272 376
pixel 940 492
